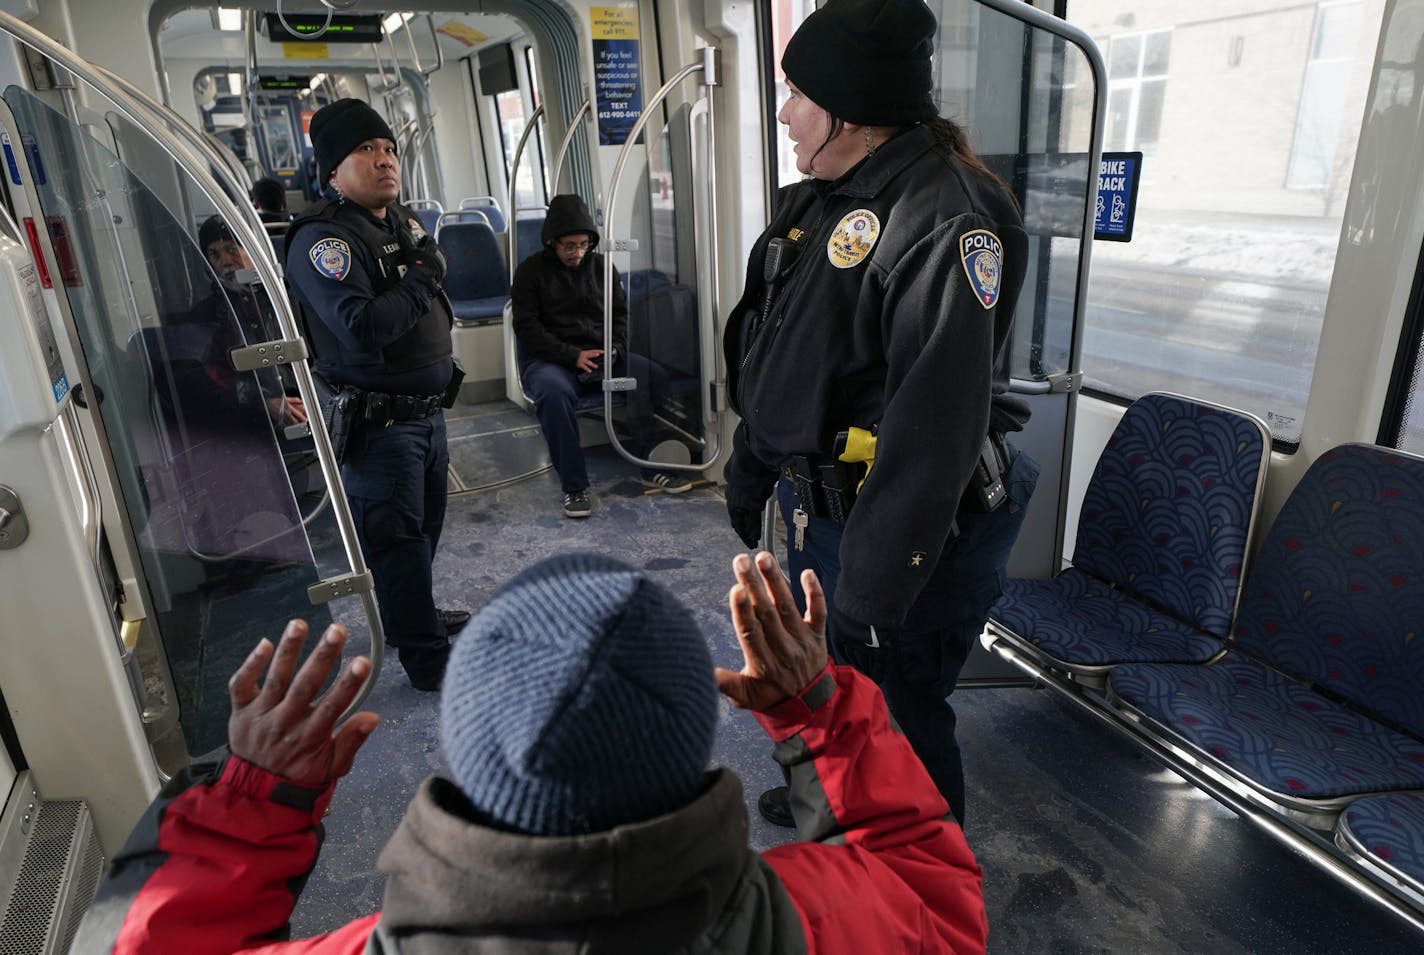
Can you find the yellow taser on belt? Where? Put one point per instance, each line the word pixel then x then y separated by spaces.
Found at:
pixel 857 446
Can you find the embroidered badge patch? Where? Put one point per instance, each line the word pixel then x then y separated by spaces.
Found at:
pixel 853 239
pixel 332 258
pixel 416 229
pixel 983 256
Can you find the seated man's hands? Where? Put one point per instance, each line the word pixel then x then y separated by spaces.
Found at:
pixel 783 650
pixel 588 359
pixel 279 728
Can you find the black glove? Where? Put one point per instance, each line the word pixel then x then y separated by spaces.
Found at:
pixel 746 522
pixel 426 256
pixel 860 645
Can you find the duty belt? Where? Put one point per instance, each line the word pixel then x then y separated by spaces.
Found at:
pixel 826 487
pixel 381 409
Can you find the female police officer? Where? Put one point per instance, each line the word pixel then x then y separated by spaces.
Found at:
pixel 877 306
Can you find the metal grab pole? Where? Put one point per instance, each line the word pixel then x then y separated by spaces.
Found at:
pixel 707 67
pixel 513 179
pixel 566 142
pixel 137 107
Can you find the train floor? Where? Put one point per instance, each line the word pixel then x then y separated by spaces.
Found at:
pixel 1086 845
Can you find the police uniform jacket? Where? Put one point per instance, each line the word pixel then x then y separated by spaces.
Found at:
pixel 895 313
pixel 216 863
pixel 558 311
pixel 374 321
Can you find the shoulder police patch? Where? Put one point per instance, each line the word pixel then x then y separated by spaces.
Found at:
pixel 332 257
pixel 853 238
pixel 983 256
pixel 416 229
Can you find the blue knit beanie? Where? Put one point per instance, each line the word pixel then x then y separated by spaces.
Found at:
pixel 578 699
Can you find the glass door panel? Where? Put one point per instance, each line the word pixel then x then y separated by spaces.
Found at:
pixel 226 509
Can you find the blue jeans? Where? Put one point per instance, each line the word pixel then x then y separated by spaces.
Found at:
pixel 395 479
pixel 556 390
pixel 924 656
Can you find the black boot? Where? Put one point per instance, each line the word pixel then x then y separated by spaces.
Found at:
pixel 775 807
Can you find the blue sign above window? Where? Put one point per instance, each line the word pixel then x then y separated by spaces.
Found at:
pixel 1118 176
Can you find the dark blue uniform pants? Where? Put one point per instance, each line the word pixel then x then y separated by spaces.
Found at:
pixel 556 391
pixel 395 479
pixel 923 658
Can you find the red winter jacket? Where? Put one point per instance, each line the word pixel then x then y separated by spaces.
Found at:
pixel 881 868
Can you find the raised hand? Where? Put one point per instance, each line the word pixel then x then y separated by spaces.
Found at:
pixel 282 726
pixel 783 650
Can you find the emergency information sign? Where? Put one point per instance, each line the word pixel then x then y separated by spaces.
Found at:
pixel 1118 175
pixel 617 73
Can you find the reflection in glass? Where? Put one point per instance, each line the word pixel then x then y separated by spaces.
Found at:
pixel 205 472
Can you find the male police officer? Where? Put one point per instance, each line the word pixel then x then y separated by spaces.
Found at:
pixel 367 278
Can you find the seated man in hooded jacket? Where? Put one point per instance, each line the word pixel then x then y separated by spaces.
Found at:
pixel 577 719
pixel 557 300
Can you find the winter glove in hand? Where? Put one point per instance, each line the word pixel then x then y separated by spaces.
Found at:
pixel 746 522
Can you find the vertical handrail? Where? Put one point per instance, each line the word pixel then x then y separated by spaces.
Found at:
pixel 249 82
pixel 565 143
pixel 139 106
pixel 707 67
pixel 513 180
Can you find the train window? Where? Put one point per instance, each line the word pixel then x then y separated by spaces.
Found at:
pixel 509 106
pixel 786 17
pixel 536 160
pixel 1248 121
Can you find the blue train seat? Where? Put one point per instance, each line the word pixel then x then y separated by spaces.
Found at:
pixel 1162 541
pixel 489 207
pixel 477 279
pixel 528 236
pixel 1317 700
pixel 1386 832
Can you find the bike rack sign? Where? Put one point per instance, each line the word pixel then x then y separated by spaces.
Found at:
pixel 1118 177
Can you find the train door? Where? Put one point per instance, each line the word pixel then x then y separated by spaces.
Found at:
pixel 178 513
pixel 661 232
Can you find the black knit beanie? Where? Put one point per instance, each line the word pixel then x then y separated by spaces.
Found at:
pixel 212 230
pixel 866 61
pixel 339 127
pixel 578 699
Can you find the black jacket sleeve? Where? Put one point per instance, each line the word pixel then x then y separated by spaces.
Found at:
pixel 939 347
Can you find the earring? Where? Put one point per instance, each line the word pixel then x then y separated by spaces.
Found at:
pixel 869 143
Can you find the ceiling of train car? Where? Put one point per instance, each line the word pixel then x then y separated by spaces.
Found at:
pixel 196 35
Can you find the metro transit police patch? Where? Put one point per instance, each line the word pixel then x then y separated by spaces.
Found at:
pixel 853 238
pixel 332 258
pixel 983 256
pixel 416 229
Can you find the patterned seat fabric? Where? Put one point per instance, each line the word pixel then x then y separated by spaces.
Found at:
pixel 1168 510
pixel 1165 520
pixel 1077 619
pixel 1334 600
pixel 1390 828
pixel 1337 594
pixel 1283 736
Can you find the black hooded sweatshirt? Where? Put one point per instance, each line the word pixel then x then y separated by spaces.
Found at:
pixel 558 311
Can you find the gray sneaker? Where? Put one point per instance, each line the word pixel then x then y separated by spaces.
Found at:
pixel 667 482
pixel 577 504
